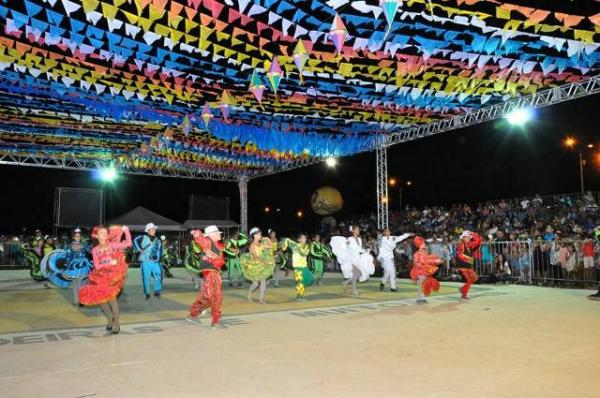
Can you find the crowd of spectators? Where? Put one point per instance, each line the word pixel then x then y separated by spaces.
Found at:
pixel 525 240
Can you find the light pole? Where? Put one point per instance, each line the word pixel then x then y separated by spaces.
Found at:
pixel 300 215
pixel 571 143
pixel 394 182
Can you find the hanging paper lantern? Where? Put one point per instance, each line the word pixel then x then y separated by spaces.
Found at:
pixel 257 87
pixel 338 33
pixel 300 57
pixel 275 74
pixel 225 105
pixel 186 126
pixel 207 115
pixel 390 8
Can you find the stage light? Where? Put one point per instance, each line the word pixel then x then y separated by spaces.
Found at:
pixel 299 214
pixel 519 117
pixel 331 162
pixel 278 210
pixel 393 182
pixel 267 209
pixel 409 183
pixel 108 174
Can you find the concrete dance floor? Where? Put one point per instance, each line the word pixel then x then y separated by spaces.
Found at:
pixel 509 341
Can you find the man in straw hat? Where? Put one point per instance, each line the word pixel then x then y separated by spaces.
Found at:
pixel 212 261
pixel 468 244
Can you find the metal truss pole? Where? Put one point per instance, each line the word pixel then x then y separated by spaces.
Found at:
pixel 243 186
pixel 382 186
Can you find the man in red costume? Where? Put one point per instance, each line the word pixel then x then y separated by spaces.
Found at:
pixel 210 266
pixel 467 246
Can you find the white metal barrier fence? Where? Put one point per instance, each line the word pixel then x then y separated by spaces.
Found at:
pixel 545 263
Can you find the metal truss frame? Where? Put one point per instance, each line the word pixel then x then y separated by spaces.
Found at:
pixel 382 186
pixel 541 99
pixel 296 164
pixel 544 98
pixel 86 164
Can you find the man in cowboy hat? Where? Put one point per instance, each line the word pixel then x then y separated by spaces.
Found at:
pixel 212 261
pixel 150 248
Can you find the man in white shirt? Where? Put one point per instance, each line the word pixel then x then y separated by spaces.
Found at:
pixel 387 244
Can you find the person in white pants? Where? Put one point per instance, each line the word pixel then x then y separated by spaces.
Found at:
pixel 387 244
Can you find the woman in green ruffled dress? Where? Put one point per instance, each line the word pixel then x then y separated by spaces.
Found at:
pixel 258 264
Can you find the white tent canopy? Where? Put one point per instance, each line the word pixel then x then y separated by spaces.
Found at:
pixel 137 219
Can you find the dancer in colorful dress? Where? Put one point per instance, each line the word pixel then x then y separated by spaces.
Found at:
pixel 33 254
pixel 212 260
pixel 191 262
pixel 356 263
pixel 469 242
pixel 49 245
pixel 258 264
pixel 280 257
pixel 78 263
pixel 425 265
pixel 150 248
pixel 169 257
pixel 233 247
pixel 68 267
pixel 107 278
pixel 387 244
pixel 319 253
pixel 302 275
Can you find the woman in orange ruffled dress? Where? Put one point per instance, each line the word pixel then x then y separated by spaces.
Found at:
pixel 425 265
pixel 108 275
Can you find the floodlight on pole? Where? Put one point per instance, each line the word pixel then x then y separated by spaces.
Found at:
pixel 520 116
pixel 331 162
pixel 108 174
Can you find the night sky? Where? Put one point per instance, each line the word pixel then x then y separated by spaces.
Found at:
pixel 487 161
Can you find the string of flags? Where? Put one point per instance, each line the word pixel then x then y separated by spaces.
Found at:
pixel 266 82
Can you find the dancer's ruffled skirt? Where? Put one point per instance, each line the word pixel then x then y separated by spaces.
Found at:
pixel 430 284
pixel 364 262
pixel 104 284
pixel 257 269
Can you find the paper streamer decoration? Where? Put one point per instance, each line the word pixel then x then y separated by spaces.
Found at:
pixel 275 75
pixel 338 33
pixel 257 87
pixel 186 127
pixel 300 57
pixel 227 101
pixel 207 115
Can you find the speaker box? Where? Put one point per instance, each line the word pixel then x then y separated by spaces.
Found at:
pixel 78 207
pixel 202 207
